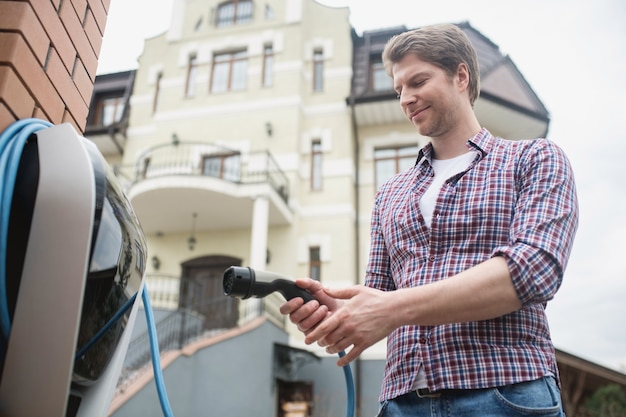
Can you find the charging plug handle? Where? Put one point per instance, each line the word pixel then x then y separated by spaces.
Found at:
pixel 245 282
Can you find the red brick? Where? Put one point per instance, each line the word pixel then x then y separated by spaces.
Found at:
pixel 67 118
pixel 105 3
pixel 76 32
pixel 18 16
pixel 6 117
pixel 80 6
pixel 14 93
pixel 100 12
pixel 66 88
pixel 39 114
pixel 57 34
pixel 82 81
pixel 93 33
pixel 15 52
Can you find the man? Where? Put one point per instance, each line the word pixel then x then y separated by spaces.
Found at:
pixel 466 249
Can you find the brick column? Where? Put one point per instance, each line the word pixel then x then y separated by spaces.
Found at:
pixel 48 58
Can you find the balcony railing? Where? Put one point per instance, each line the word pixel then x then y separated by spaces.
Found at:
pixel 180 326
pixel 206 160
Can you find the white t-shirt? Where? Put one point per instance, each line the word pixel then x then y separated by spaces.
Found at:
pixel 444 169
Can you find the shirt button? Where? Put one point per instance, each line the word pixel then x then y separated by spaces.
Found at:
pixel 423 340
pixel 431 258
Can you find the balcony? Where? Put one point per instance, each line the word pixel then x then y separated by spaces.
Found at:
pixel 169 182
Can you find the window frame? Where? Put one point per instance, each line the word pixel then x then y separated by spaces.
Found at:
pixel 231 62
pixel 157 92
pixel 316 165
pixel 377 68
pixel 397 157
pixel 318 70
pixel 315 263
pixel 237 17
pixel 267 79
pixel 101 104
pixel 224 159
pixel 192 72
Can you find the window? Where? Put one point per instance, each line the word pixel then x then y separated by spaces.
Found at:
pixel 109 110
pixel 192 69
pixel 226 166
pixel 233 13
pixel 198 25
pixel 316 165
pixel 269 12
pixel 379 80
pixel 268 63
pixel 390 161
pixel 145 167
pixel 315 263
pixel 157 93
pixel 318 70
pixel 230 72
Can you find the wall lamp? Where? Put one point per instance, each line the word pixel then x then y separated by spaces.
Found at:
pixel 156 262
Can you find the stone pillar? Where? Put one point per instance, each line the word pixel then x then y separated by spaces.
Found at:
pixel 258 240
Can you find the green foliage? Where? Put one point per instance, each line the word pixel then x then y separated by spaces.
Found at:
pixel 608 401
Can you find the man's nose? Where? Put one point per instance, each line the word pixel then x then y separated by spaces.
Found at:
pixel 406 98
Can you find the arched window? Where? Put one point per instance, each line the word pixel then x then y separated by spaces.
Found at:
pixel 233 12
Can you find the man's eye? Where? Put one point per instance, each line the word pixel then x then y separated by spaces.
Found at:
pixel 398 94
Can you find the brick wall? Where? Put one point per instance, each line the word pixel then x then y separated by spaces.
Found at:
pixel 48 58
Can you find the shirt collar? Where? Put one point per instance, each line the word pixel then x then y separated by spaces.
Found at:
pixel 481 142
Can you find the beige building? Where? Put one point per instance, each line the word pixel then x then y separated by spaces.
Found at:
pixel 240 138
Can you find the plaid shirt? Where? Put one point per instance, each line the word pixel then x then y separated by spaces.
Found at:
pixel 516 200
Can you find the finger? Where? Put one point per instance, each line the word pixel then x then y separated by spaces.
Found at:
pixel 291 305
pixel 343 293
pixel 306 325
pixel 309 284
pixel 304 311
pixel 321 331
pixel 318 291
pixel 341 344
pixel 349 356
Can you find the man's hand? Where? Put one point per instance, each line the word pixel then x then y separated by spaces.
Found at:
pixel 363 318
pixel 307 315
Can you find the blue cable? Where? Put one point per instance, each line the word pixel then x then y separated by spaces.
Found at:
pixel 156 356
pixel 349 387
pixel 106 327
pixel 12 142
pixel 158 372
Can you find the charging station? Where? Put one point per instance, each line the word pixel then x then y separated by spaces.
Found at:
pixel 72 265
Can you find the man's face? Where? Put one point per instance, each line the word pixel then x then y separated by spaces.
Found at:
pixel 428 96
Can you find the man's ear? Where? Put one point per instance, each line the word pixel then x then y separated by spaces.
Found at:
pixel 463 76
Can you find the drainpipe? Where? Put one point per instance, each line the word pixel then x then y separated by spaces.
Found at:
pixel 357 234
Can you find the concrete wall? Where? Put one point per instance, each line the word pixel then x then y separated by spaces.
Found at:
pixel 232 378
pixel 235 378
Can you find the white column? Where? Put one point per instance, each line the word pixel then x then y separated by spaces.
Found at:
pixel 260 224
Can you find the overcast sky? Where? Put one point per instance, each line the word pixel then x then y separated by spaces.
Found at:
pixel 573 54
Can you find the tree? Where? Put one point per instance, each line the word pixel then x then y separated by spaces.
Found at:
pixel 607 401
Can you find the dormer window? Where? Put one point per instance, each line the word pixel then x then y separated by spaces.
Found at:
pixel 379 80
pixel 234 12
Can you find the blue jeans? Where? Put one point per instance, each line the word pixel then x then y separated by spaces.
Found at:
pixel 539 398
